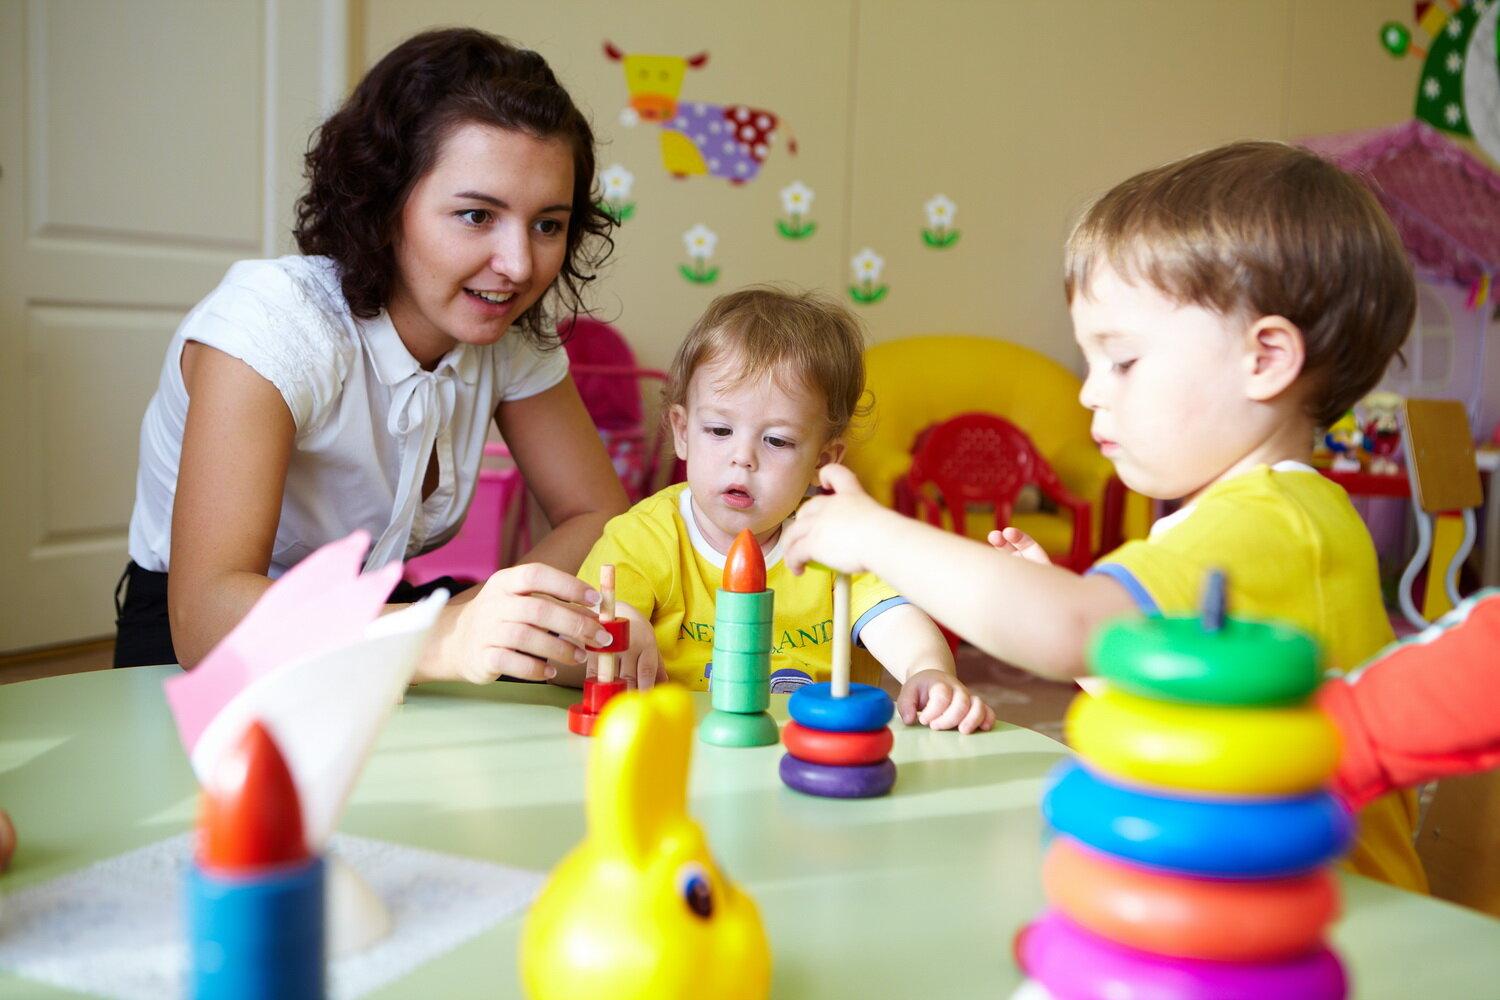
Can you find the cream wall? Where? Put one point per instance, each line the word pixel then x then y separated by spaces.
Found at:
pixel 1019 112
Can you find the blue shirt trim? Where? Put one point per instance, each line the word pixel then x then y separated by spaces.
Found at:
pixel 1126 579
pixel 872 614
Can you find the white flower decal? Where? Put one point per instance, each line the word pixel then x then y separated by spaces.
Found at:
pixel 796 199
pixel 700 242
pixel 617 182
pixel 940 212
pixel 867 266
pixel 629 117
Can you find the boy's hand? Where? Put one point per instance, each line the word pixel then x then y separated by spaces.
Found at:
pixel 1017 542
pixel 640 665
pixel 938 700
pixel 833 530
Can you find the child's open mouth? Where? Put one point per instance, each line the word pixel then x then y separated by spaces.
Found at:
pixel 738 498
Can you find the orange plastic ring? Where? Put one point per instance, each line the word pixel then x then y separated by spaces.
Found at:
pixel 1228 921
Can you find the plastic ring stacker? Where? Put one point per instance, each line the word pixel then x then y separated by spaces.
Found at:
pixel 865 709
pixel 1071 962
pixel 1240 838
pixel 1263 920
pixel 1203 748
pixel 583 716
pixel 864 781
pixel 818 746
pixel 619 636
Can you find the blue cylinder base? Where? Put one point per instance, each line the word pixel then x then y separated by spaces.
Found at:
pixel 257 936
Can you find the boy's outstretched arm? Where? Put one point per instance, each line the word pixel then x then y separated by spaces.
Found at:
pixel 1425 708
pixel 1034 616
pixel 910 646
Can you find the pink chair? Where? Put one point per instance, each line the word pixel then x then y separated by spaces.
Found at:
pixel 611 384
pixel 479 548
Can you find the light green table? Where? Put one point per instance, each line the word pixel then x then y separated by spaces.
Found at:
pixel 916 895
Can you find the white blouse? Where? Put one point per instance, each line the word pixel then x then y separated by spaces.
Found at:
pixel 367 416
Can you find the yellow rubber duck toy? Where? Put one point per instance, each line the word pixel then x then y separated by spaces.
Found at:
pixel 639 910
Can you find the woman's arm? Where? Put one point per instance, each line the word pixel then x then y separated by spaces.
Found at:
pixel 558 451
pixel 235 449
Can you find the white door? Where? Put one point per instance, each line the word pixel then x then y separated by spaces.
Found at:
pixel 145 145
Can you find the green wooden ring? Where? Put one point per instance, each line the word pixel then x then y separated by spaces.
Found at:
pixel 741 637
pixel 1242 663
pixel 748 609
pixel 740 696
pixel 740 666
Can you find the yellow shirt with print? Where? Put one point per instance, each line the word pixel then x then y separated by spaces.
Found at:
pixel 666 571
pixel 1295 551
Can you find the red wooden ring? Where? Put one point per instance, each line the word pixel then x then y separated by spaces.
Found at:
pixel 584 714
pixel 818 746
pixel 619 631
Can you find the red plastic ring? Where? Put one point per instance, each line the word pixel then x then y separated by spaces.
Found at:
pixel 818 746
pixel 619 632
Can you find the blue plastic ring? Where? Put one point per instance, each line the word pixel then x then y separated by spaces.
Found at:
pixel 1214 838
pixel 865 709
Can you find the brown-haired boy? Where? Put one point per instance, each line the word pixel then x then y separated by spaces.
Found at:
pixel 1227 304
pixel 760 396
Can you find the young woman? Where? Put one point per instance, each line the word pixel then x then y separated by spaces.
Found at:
pixel 449 207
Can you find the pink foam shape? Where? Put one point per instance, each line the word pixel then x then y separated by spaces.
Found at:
pixel 320 603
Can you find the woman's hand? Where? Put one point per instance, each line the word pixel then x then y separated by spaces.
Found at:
pixel 521 617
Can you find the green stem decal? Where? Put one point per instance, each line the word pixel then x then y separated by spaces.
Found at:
pixel 619 213
pixel 940 239
pixel 699 273
pixel 796 229
pixel 867 295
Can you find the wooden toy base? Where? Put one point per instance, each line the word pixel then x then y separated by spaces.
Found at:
pixel 583 716
pixel 732 729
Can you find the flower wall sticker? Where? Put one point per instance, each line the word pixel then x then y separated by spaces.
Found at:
pixel 940 232
pixel 867 289
pixel 700 242
pixel 796 199
pixel 617 182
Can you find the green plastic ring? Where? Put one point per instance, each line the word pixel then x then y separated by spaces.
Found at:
pixel 1242 663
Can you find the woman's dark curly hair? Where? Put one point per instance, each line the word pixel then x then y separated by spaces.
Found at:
pixel 364 160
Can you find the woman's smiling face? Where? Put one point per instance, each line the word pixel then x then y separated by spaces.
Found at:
pixel 482 237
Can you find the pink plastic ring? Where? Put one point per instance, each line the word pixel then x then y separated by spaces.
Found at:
pixel 619 636
pixel 1073 963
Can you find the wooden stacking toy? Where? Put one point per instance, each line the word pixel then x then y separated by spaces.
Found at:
pixel 598 690
pixel 739 677
pixel 1193 834
pixel 838 743
pixel 255 891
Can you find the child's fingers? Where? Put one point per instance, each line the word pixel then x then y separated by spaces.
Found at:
pixel 997 539
pixel 839 479
pixel 979 717
pixel 939 697
pixel 957 708
pixel 907 703
pixel 648 668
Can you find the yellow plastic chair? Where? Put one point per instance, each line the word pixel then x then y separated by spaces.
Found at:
pixel 1445 492
pixel 920 381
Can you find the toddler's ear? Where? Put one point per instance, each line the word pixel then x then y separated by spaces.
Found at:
pixel 1275 354
pixel 832 452
pixel 677 416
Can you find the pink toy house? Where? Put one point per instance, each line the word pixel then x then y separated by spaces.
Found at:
pixel 1445 202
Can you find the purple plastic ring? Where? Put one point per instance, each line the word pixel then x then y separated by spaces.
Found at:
pixel 1071 962
pixel 828 781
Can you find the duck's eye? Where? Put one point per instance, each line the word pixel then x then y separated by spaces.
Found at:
pixel 697 892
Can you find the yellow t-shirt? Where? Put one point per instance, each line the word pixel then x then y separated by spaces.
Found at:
pixel 666 570
pixel 1296 551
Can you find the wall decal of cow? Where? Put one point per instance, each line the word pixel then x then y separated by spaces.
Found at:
pixel 720 140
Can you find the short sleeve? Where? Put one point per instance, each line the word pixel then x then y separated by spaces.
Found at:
pixel 529 369
pixel 1165 573
pixel 284 325
pixel 869 597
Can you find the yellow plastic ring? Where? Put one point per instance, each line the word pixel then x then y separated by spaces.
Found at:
pixel 1203 748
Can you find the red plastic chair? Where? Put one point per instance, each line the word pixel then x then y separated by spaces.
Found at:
pixel 980 458
pixel 479 549
pixel 612 385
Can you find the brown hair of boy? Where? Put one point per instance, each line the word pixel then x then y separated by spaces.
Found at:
pixel 803 339
pixel 1264 229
